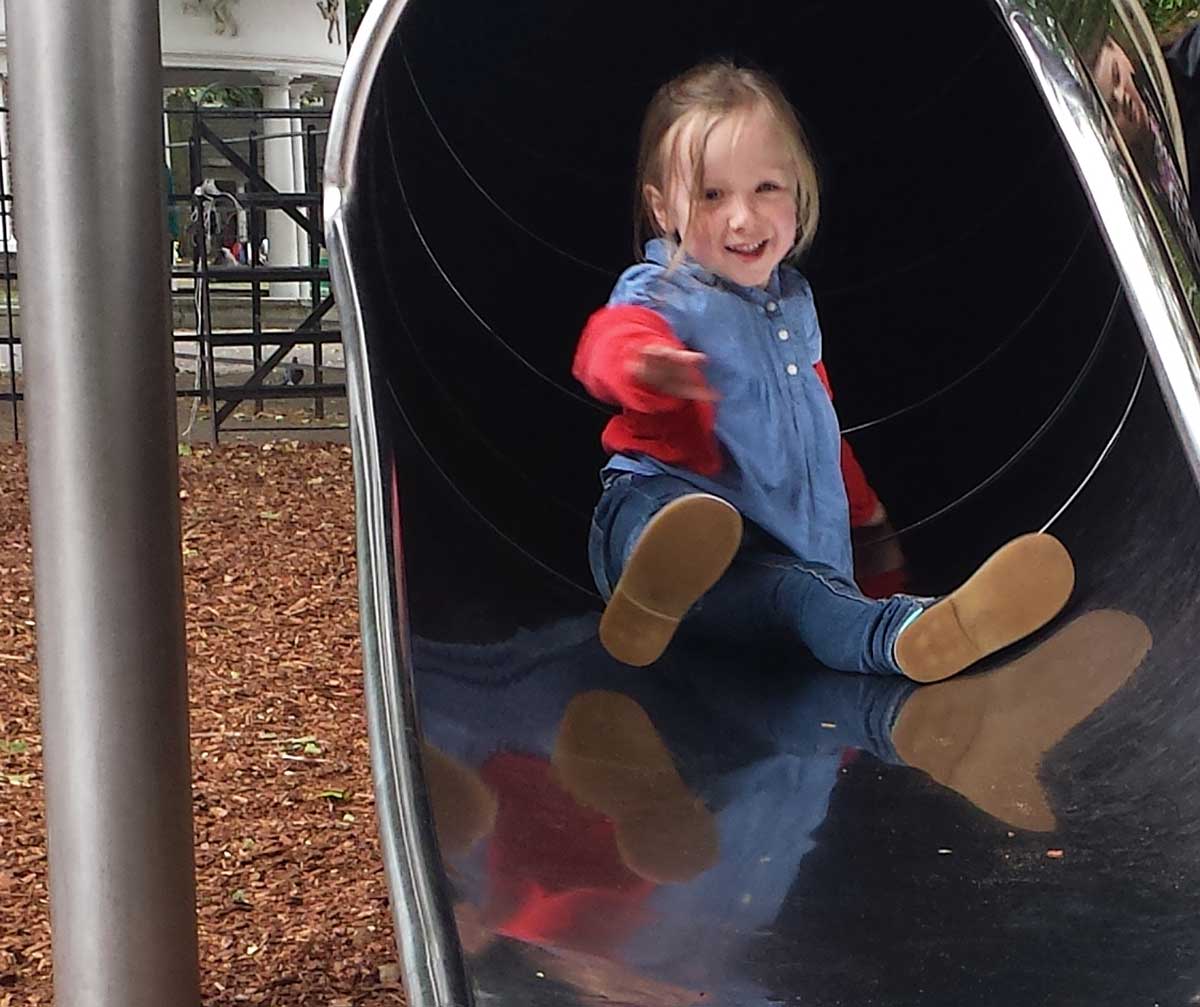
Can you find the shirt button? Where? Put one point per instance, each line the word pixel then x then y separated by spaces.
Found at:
pixel 772 307
pixel 784 335
pixel 793 370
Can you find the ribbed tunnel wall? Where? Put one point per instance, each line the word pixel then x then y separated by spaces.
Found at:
pixel 973 329
pixel 987 370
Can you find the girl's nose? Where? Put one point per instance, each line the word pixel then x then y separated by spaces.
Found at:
pixel 739 213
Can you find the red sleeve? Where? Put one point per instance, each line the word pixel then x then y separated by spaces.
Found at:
pixel 611 340
pixel 864 502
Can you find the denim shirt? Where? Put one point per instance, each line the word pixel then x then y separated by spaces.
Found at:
pixel 774 421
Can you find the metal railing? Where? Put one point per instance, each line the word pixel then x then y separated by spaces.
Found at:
pixel 12 394
pixel 241 337
pixel 257 198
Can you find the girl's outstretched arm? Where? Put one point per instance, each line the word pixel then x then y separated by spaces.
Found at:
pixel 629 356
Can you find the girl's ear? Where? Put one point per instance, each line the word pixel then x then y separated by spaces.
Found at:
pixel 658 207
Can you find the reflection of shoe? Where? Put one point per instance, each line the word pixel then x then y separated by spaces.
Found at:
pixel 464 807
pixel 681 554
pixel 1019 589
pixel 984 735
pixel 608 756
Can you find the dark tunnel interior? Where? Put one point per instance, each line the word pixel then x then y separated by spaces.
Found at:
pixel 987 371
pixel 974 332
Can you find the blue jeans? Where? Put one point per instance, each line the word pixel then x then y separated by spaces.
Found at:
pixel 766 595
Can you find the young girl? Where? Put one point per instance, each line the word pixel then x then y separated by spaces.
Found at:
pixel 725 494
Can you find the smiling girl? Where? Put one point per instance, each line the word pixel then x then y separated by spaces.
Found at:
pixel 725 498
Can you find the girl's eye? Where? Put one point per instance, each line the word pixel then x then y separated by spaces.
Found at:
pixel 769 187
pixel 712 194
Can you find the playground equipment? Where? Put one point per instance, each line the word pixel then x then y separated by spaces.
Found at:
pixel 1008 283
pixel 1006 209
pixel 85 83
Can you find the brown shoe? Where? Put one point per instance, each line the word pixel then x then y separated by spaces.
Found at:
pixel 985 735
pixel 682 552
pixel 464 807
pixel 608 756
pixel 1019 589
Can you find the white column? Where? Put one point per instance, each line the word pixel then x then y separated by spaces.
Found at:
pixel 298 172
pixel 280 172
pixel 171 209
pixel 243 219
pixel 5 163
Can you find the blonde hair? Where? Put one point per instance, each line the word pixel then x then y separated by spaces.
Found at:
pixel 704 95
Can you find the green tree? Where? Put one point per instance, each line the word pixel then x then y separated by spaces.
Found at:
pixel 355 9
pixel 1167 14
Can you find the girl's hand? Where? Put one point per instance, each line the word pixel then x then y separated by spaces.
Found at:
pixel 880 566
pixel 672 372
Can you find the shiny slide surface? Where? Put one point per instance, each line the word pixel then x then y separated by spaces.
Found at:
pixel 736 826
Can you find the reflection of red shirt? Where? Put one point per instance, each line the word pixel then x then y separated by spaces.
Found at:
pixel 673 430
pixel 555 875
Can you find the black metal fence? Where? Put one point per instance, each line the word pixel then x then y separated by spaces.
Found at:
pixel 12 393
pixel 245 343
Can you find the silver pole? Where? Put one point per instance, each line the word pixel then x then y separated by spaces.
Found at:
pixel 85 79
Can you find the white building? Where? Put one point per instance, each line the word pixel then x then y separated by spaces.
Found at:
pixel 289 48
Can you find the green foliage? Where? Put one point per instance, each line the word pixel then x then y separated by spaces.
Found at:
pixel 355 9
pixel 1165 14
pixel 221 97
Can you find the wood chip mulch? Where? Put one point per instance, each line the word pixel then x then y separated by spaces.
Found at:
pixel 292 903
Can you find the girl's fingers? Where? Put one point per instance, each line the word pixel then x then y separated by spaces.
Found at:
pixel 697 392
pixel 692 358
pixel 673 372
pixel 685 386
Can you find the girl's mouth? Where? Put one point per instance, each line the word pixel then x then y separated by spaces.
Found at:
pixel 749 252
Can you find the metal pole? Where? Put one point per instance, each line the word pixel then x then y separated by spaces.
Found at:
pixel 87 95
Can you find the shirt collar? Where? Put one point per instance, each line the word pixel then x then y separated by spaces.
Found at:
pixel 660 251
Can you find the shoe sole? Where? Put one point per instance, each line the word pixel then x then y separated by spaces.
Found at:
pixel 683 551
pixel 464 807
pixel 1019 589
pixel 610 757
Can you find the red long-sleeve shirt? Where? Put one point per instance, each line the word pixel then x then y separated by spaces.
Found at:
pixel 676 431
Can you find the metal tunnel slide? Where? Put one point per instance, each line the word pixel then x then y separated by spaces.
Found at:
pixel 1005 276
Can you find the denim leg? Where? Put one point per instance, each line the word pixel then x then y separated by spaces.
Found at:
pixel 628 503
pixel 766 596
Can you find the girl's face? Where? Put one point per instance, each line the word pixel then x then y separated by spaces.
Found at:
pixel 744 223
